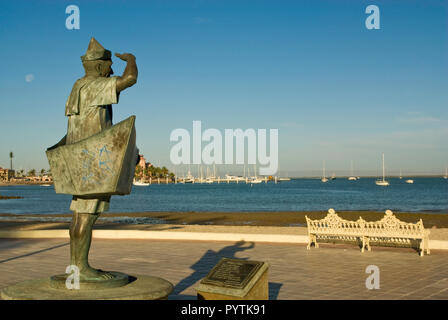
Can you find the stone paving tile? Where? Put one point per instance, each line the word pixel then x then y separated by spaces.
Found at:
pixel 443 294
pixel 336 272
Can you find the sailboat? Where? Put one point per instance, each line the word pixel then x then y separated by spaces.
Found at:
pixel 446 174
pixel 352 176
pixel 407 180
pixel 189 178
pixel 210 178
pixel 140 183
pixel 383 182
pixel 255 179
pixel 324 179
pixel 284 178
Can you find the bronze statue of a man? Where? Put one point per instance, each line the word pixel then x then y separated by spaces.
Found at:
pixel 89 112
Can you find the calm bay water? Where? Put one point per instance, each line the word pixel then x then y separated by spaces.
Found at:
pixel 426 194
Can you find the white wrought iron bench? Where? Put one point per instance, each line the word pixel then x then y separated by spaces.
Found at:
pixel 389 229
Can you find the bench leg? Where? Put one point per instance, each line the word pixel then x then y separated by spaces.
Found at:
pixel 311 240
pixel 365 244
pixel 422 248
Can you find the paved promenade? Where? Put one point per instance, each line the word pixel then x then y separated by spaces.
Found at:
pixel 331 272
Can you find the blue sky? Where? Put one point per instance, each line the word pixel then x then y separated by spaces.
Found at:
pixel 335 90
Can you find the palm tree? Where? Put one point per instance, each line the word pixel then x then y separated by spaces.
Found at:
pixel 138 172
pixel 147 172
pixel 42 172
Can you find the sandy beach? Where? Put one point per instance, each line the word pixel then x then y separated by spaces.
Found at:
pixel 221 222
pixel 439 220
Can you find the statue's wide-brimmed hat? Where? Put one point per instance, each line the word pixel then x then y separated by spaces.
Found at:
pixel 95 51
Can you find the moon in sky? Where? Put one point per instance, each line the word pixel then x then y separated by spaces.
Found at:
pixel 29 77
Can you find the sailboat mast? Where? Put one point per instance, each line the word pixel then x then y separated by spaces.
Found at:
pixel 323 170
pixel 383 169
pixel 352 168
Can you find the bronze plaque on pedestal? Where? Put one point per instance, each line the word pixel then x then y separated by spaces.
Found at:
pixel 235 279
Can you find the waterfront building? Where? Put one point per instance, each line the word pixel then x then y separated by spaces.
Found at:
pixel 143 165
pixel 6 174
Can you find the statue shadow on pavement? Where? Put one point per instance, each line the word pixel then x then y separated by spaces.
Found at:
pixel 15 243
pixel 205 264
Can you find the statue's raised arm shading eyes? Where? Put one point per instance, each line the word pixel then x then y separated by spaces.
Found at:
pixel 130 74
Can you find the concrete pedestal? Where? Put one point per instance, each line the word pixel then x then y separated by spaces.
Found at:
pixel 142 288
pixel 259 291
pixel 235 279
pixel 119 279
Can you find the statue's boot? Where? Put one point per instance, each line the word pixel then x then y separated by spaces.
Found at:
pixel 80 240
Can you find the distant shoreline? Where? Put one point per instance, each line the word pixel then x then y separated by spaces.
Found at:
pixel 376 177
pixel 21 183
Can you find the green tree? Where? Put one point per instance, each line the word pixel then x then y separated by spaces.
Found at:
pixel 154 172
pixel 147 172
pixel 138 172
pixel 32 173
pixel 42 172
